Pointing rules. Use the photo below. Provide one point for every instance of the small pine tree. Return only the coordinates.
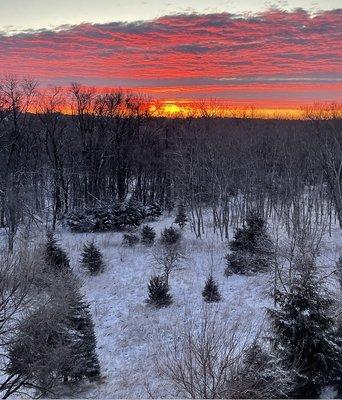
(210, 292)
(304, 331)
(251, 248)
(148, 235)
(92, 259)
(181, 218)
(130, 240)
(158, 292)
(83, 340)
(170, 236)
(55, 257)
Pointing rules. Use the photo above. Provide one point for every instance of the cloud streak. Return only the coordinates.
(295, 54)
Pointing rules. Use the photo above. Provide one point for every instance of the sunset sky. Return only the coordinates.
(278, 54)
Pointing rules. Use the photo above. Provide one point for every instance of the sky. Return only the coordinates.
(280, 54)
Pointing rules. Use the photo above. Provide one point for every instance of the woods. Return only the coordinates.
(129, 205)
(109, 145)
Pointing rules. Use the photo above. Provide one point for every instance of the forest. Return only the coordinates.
(145, 256)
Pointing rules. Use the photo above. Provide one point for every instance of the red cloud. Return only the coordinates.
(275, 55)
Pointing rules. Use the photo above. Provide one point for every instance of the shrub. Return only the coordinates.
(92, 259)
(148, 235)
(210, 292)
(130, 240)
(158, 292)
(170, 236)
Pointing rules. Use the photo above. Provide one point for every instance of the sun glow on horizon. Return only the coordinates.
(61, 100)
(202, 108)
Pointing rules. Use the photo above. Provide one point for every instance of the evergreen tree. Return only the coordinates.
(130, 240)
(338, 335)
(304, 331)
(181, 218)
(261, 375)
(81, 328)
(251, 248)
(55, 257)
(56, 341)
(170, 236)
(92, 259)
(210, 292)
(158, 292)
(148, 235)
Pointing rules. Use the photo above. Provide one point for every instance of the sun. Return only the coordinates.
(171, 109)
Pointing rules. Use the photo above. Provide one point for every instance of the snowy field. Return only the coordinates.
(128, 330)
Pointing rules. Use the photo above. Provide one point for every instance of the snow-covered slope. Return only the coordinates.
(128, 329)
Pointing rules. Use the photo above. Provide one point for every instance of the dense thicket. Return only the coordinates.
(110, 146)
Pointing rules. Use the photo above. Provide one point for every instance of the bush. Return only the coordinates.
(130, 240)
(158, 292)
(92, 259)
(210, 292)
(148, 235)
(251, 248)
(170, 236)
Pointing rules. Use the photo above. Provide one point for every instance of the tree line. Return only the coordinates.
(62, 150)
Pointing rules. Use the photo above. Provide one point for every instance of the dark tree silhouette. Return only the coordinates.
(158, 292)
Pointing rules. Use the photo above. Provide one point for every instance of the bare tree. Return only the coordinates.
(203, 357)
(168, 258)
(209, 358)
(16, 280)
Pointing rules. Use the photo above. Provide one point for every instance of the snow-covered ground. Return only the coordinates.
(128, 329)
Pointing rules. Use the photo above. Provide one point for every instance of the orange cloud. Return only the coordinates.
(271, 58)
